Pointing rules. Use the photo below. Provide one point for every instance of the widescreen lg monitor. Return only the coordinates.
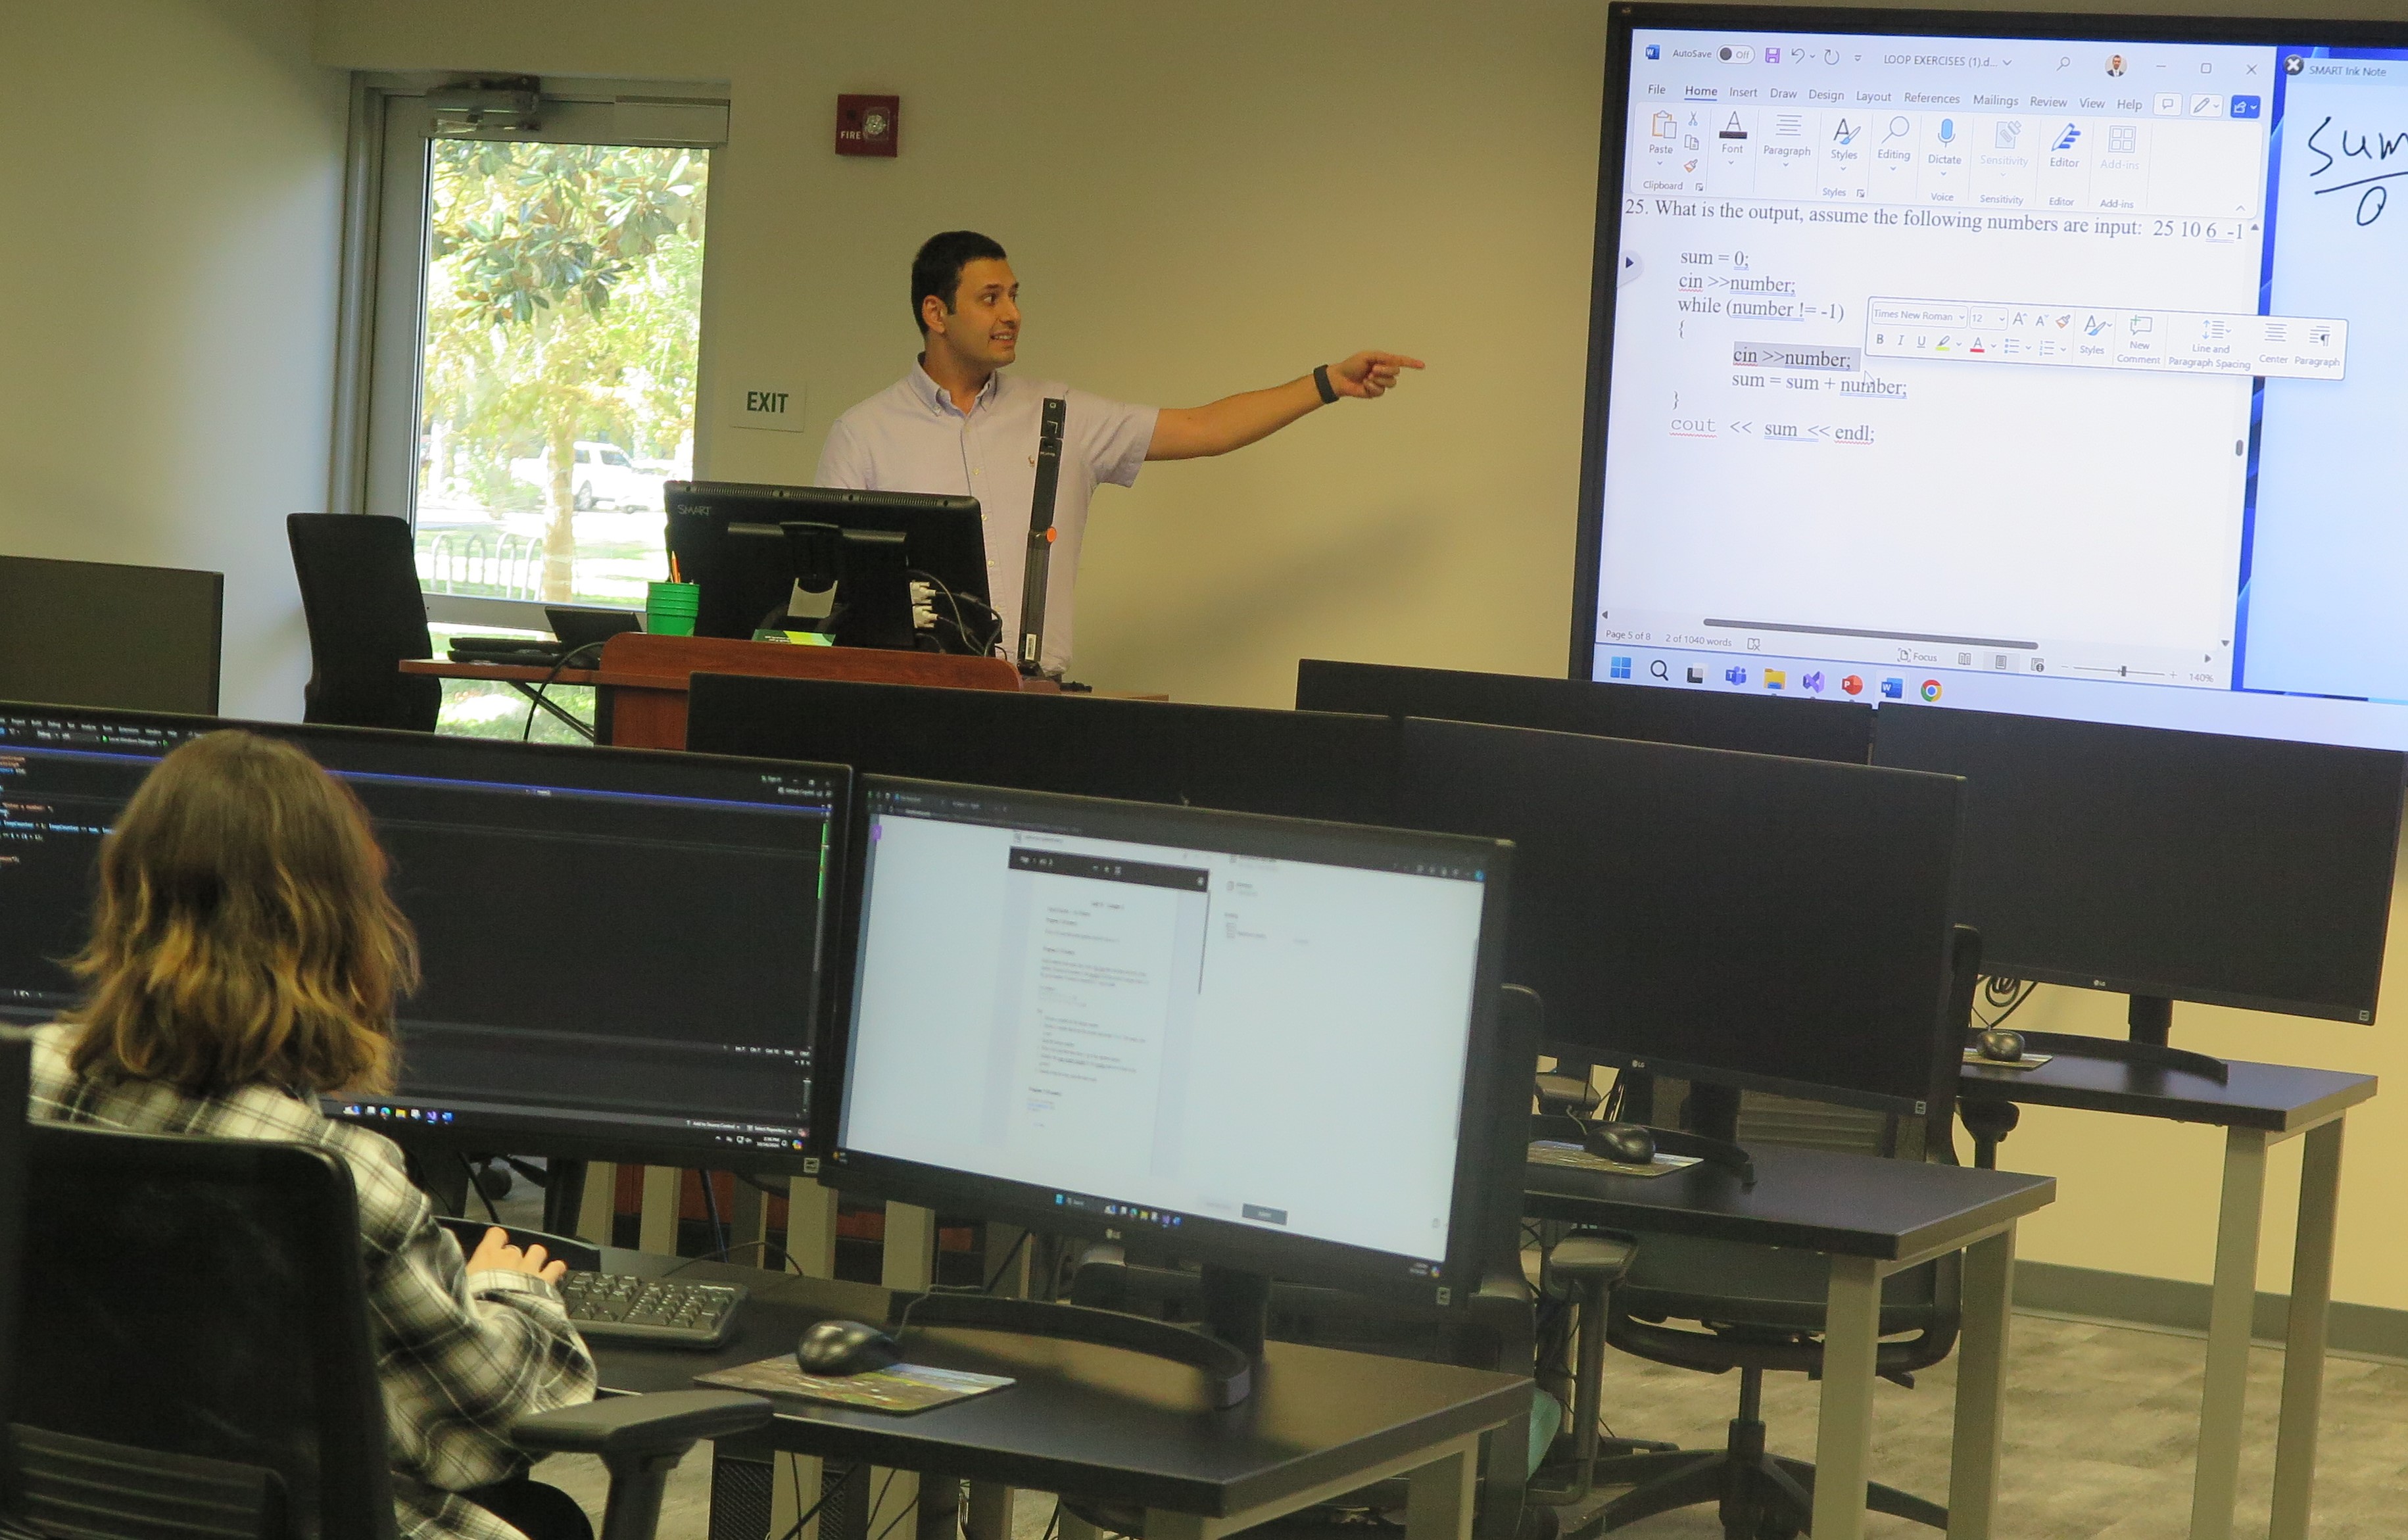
(1262, 1045)
(620, 949)
(104, 634)
(2168, 865)
(1773, 924)
(2044, 364)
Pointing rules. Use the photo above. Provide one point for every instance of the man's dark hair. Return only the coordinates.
(937, 270)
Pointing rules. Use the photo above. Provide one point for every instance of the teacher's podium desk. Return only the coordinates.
(642, 680)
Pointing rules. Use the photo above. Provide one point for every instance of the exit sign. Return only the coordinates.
(773, 404)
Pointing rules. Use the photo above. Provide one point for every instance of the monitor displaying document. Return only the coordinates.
(1260, 1041)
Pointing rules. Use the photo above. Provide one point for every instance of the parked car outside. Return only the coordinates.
(604, 476)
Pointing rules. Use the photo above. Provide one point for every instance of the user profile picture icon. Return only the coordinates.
(2114, 64)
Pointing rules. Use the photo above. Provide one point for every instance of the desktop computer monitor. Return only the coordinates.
(726, 539)
(1287, 764)
(2187, 866)
(620, 949)
(1263, 1044)
(91, 633)
(2042, 364)
(1774, 923)
(1751, 723)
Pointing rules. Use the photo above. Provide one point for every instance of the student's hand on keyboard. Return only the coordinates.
(495, 1254)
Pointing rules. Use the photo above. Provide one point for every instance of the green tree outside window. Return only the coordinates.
(563, 306)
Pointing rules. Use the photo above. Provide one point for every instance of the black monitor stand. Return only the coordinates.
(1713, 1111)
(1235, 1305)
(855, 583)
(2150, 1019)
(1709, 1130)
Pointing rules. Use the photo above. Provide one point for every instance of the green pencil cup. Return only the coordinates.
(669, 609)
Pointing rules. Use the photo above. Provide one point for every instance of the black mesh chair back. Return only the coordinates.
(360, 597)
(194, 1351)
(1760, 1308)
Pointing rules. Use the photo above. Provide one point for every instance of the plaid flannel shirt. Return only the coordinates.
(461, 1357)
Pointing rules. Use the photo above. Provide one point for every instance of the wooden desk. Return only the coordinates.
(1871, 1217)
(1116, 1427)
(642, 680)
(2256, 1105)
(528, 680)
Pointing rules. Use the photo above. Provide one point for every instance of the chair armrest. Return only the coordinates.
(665, 1421)
(580, 1256)
(1583, 1258)
(1100, 1278)
(1503, 1307)
(1501, 1290)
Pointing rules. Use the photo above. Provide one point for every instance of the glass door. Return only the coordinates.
(538, 304)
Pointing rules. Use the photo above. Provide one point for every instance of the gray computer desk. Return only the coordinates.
(1871, 1217)
(2257, 1107)
(1115, 1427)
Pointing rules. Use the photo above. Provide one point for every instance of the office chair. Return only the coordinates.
(1585, 1266)
(1760, 1308)
(360, 598)
(195, 1359)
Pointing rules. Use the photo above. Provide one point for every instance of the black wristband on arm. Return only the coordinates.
(1321, 383)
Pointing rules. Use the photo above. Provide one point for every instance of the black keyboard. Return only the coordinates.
(526, 652)
(622, 1307)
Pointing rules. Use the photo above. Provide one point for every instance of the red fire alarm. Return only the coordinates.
(869, 126)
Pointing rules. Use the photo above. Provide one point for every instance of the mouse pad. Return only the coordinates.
(2029, 1061)
(1557, 1152)
(901, 1390)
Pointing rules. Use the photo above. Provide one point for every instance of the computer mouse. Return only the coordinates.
(845, 1347)
(1629, 1143)
(2002, 1045)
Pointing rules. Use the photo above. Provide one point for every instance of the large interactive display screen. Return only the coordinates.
(2003, 362)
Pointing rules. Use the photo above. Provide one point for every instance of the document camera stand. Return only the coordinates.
(1041, 539)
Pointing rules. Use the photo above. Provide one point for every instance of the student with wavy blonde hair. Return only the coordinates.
(245, 957)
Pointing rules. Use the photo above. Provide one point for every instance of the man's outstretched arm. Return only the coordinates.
(1187, 433)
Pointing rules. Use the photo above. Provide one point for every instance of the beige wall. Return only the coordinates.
(1209, 197)
(1199, 200)
(173, 178)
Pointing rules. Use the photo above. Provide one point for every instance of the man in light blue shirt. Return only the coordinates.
(958, 423)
